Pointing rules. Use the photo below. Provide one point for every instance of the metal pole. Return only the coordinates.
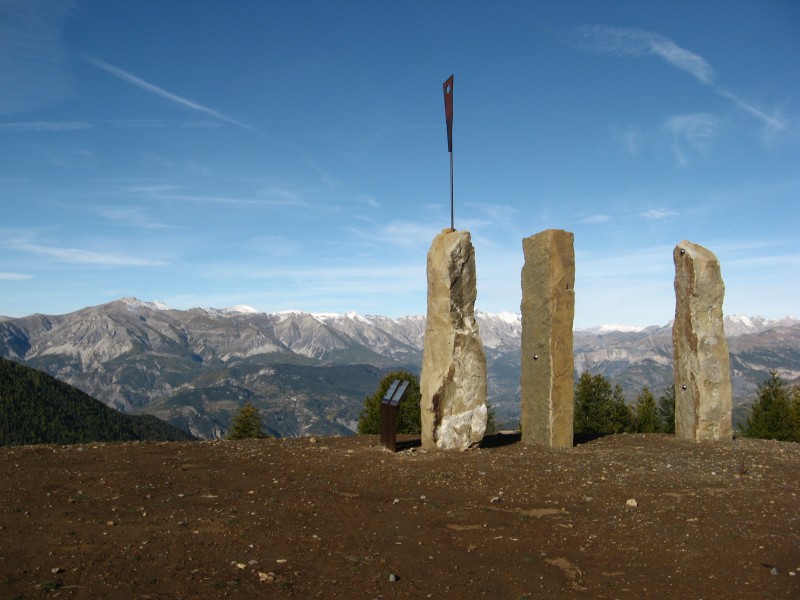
(452, 219)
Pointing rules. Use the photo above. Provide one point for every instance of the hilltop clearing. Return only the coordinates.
(625, 516)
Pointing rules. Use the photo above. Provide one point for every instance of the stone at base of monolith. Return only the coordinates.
(453, 381)
(548, 310)
(703, 402)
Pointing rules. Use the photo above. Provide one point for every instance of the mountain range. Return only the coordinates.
(309, 373)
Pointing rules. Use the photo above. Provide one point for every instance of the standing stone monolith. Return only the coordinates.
(703, 401)
(548, 310)
(453, 381)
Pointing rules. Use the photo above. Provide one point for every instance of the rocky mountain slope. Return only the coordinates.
(310, 373)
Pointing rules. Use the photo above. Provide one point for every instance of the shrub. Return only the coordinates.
(408, 417)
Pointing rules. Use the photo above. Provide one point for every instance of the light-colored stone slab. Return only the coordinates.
(453, 381)
(548, 310)
(703, 400)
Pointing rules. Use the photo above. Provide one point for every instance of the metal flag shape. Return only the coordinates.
(448, 110)
(448, 115)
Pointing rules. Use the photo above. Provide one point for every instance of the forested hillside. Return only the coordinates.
(36, 408)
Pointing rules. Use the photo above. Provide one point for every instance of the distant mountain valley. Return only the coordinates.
(309, 373)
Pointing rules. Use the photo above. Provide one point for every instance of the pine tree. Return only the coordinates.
(796, 404)
(590, 405)
(646, 419)
(621, 414)
(595, 404)
(408, 416)
(666, 410)
(775, 414)
(246, 424)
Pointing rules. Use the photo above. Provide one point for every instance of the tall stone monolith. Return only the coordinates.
(703, 402)
(548, 309)
(453, 381)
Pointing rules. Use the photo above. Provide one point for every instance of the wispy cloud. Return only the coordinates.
(34, 60)
(696, 130)
(274, 200)
(639, 43)
(773, 124)
(274, 245)
(285, 196)
(497, 214)
(14, 276)
(66, 126)
(200, 124)
(657, 214)
(129, 216)
(71, 156)
(323, 287)
(400, 233)
(158, 91)
(269, 196)
(213, 199)
(642, 262)
(45, 126)
(146, 189)
(738, 246)
(85, 257)
(158, 123)
(324, 177)
(780, 260)
(369, 200)
(595, 219)
(635, 42)
(631, 139)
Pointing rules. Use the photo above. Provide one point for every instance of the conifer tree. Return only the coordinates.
(599, 408)
(666, 409)
(621, 414)
(491, 420)
(246, 424)
(775, 415)
(646, 419)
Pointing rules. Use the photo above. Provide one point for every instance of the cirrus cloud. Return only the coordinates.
(695, 130)
(14, 276)
(636, 42)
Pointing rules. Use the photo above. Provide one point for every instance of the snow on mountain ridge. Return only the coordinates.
(734, 324)
(134, 304)
(241, 309)
(614, 327)
(503, 316)
(741, 324)
(231, 311)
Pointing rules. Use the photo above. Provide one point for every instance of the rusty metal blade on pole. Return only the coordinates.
(447, 87)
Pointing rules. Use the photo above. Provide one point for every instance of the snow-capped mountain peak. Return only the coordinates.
(741, 324)
(241, 309)
(135, 305)
(615, 327)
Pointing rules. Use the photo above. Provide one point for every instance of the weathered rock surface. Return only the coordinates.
(703, 399)
(548, 310)
(453, 380)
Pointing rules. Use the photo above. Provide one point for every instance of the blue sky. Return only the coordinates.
(293, 155)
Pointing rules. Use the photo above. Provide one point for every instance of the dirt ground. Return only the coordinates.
(344, 518)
